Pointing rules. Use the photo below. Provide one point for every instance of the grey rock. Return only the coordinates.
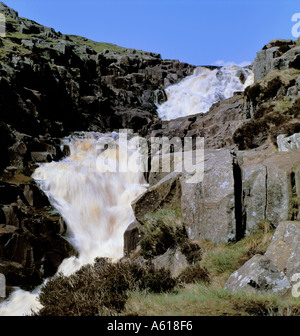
(288, 143)
(132, 237)
(258, 274)
(8, 11)
(166, 190)
(208, 207)
(173, 260)
(284, 248)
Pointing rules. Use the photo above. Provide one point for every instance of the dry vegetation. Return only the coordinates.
(130, 288)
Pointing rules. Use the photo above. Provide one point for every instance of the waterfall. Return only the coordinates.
(95, 205)
(198, 92)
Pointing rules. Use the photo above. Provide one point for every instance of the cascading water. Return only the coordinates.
(96, 205)
(198, 92)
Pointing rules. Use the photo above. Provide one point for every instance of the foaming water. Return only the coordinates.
(95, 205)
(198, 92)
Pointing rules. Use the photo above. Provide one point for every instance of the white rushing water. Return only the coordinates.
(96, 206)
(198, 92)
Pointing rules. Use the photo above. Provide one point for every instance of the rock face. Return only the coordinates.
(217, 126)
(276, 55)
(53, 83)
(239, 190)
(208, 207)
(50, 85)
(31, 242)
(268, 186)
(132, 236)
(271, 104)
(290, 143)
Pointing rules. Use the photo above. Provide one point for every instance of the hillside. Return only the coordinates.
(224, 245)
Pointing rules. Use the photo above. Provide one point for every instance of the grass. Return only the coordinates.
(99, 47)
(202, 300)
(285, 76)
(273, 110)
(209, 298)
(222, 260)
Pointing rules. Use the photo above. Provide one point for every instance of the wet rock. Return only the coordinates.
(32, 252)
(9, 193)
(34, 195)
(132, 236)
(12, 216)
(41, 157)
(217, 126)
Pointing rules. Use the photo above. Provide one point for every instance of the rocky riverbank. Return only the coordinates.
(53, 84)
(251, 174)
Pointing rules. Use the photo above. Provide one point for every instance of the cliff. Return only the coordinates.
(53, 84)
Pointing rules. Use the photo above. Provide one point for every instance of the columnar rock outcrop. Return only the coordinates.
(239, 190)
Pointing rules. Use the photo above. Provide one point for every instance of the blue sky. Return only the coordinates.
(199, 32)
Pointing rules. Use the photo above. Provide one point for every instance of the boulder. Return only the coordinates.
(288, 143)
(259, 274)
(173, 260)
(284, 248)
(165, 191)
(41, 157)
(274, 271)
(132, 236)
